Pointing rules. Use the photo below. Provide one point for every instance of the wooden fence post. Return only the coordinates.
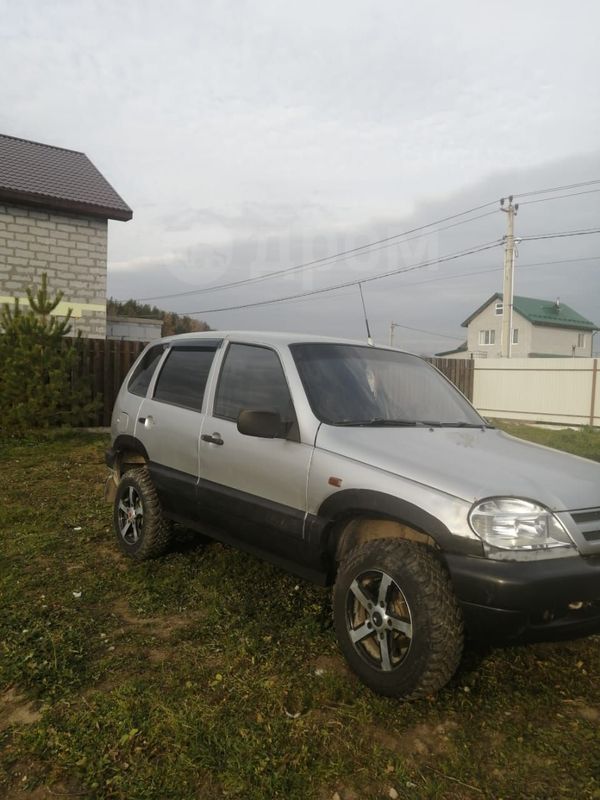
(594, 383)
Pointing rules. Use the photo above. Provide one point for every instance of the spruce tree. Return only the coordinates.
(39, 385)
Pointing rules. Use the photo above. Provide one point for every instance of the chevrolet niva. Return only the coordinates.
(365, 468)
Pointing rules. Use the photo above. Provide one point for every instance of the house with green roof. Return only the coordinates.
(540, 328)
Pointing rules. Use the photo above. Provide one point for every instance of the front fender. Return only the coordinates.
(350, 503)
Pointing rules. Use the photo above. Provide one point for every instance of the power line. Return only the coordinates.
(430, 333)
(334, 257)
(558, 197)
(369, 279)
(559, 234)
(380, 276)
(389, 241)
(531, 265)
(559, 188)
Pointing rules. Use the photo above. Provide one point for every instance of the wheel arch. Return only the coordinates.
(355, 516)
(126, 453)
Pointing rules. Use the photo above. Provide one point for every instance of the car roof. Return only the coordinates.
(267, 337)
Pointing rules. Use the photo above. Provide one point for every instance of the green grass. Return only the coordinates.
(580, 441)
(210, 674)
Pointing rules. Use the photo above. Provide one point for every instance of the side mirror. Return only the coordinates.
(265, 424)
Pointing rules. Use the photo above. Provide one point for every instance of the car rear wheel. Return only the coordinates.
(141, 530)
(397, 619)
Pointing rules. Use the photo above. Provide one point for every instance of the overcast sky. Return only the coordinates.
(253, 136)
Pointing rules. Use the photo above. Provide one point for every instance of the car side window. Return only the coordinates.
(252, 379)
(140, 380)
(183, 377)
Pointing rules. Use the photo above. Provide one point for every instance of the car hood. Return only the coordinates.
(471, 463)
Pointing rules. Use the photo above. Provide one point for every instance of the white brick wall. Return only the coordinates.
(70, 248)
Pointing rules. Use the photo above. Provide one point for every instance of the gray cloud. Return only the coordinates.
(254, 135)
(436, 298)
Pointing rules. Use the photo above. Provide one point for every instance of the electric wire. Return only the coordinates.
(558, 188)
(430, 333)
(343, 255)
(558, 234)
(372, 247)
(519, 266)
(368, 279)
(557, 197)
(269, 275)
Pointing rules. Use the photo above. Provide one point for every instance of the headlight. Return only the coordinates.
(511, 524)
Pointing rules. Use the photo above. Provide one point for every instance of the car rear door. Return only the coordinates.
(170, 420)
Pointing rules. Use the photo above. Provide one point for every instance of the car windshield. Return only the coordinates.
(356, 385)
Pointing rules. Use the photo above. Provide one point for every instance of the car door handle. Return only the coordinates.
(214, 439)
(147, 422)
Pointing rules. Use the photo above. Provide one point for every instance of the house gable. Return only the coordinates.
(36, 174)
(54, 212)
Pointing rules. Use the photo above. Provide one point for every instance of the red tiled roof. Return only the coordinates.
(52, 177)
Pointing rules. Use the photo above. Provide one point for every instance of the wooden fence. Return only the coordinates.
(106, 362)
(458, 370)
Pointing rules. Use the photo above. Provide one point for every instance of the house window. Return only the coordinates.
(581, 340)
(515, 336)
(499, 309)
(487, 337)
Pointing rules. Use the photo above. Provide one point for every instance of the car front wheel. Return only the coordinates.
(397, 619)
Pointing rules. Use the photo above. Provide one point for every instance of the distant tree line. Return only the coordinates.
(171, 322)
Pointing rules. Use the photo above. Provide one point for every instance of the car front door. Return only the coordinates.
(254, 488)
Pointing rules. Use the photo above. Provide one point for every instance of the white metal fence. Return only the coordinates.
(553, 390)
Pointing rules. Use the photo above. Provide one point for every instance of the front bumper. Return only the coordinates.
(528, 600)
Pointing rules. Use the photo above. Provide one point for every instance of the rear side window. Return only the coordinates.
(140, 380)
(182, 379)
(252, 379)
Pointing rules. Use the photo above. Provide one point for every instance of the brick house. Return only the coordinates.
(542, 328)
(54, 212)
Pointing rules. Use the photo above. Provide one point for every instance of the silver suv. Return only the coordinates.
(361, 467)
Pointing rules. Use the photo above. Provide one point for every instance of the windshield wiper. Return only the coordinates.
(380, 422)
(456, 424)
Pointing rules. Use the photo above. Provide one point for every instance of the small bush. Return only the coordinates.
(39, 386)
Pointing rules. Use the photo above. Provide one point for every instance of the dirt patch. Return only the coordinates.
(577, 708)
(110, 553)
(16, 710)
(339, 793)
(19, 790)
(334, 665)
(589, 713)
(157, 656)
(161, 627)
(419, 741)
(19, 793)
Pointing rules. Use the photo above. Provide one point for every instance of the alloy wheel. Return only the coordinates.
(131, 516)
(378, 619)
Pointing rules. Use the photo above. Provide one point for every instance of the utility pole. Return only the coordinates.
(393, 326)
(509, 272)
